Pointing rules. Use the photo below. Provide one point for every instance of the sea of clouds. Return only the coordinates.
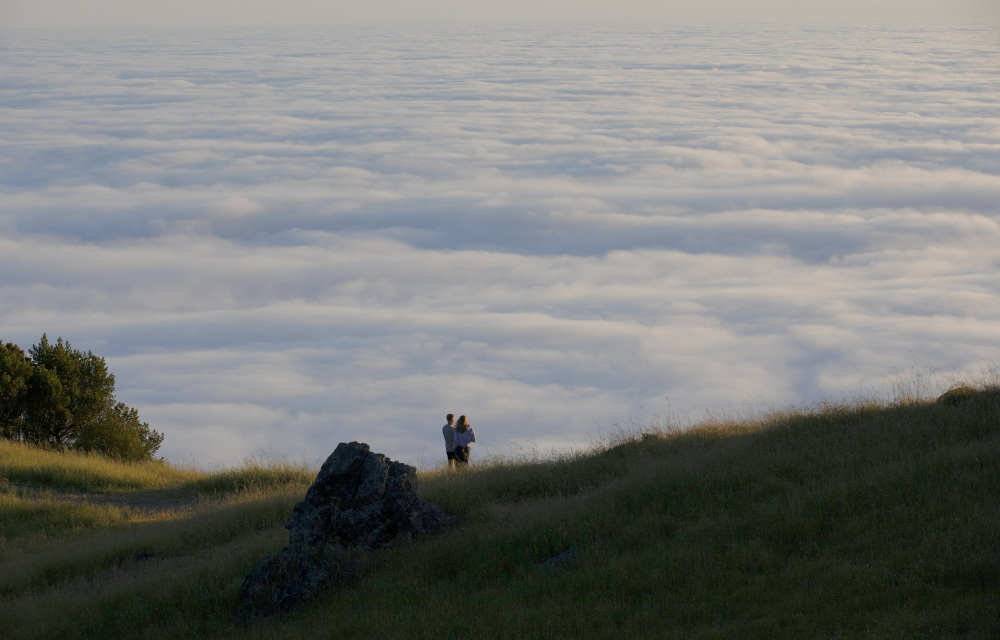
(285, 238)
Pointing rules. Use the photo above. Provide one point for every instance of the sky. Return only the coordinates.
(283, 238)
(155, 13)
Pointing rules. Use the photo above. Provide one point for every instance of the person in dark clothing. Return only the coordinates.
(449, 439)
(464, 437)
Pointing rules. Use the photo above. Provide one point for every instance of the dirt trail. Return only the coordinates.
(142, 501)
(137, 500)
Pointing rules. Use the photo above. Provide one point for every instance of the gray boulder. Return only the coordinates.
(360, 501)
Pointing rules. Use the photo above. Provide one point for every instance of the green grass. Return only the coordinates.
(865, 518)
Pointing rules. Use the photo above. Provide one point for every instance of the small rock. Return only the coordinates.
(559, 560)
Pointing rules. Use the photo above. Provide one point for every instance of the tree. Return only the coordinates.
(81, 392)
(47, 417)
(64, 397)
(119, 433)
(15, 371)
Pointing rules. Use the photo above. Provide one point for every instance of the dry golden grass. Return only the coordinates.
(74, 471)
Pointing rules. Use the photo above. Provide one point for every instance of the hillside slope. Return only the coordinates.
(841, 521)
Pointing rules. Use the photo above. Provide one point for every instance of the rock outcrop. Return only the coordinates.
(965, 395)
(360, 501)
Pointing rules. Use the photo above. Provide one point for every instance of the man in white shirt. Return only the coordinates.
(449, 440)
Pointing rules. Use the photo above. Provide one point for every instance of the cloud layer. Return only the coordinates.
(149, 13)
(283, 239)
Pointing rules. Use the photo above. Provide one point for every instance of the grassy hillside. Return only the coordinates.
(856, 520)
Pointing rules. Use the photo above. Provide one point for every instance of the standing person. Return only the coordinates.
(449, 439)
(464, 436)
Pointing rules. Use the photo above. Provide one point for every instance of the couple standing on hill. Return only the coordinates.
(457, 438)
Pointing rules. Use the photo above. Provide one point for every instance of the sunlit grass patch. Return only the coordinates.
(76, 471)
(255, 472)
(70, 471)
(41, 517)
